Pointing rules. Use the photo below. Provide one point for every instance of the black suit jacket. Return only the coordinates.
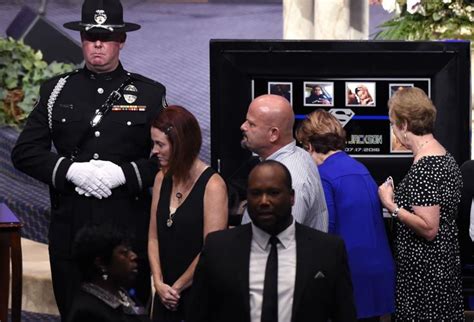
(220, 289)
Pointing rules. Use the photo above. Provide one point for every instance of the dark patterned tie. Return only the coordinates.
(270, 285)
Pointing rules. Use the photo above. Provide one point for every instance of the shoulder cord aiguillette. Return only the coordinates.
(52, 99)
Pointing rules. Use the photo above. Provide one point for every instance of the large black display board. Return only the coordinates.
(243, 69)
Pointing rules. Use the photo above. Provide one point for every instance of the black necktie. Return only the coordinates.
(270, 285)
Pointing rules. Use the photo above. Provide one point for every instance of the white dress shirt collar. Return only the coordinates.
(262, 238)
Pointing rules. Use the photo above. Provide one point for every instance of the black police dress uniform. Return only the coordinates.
(123, 137)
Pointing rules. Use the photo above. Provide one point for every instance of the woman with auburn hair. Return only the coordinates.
(425, 205)
(189, 201)
(355, 214)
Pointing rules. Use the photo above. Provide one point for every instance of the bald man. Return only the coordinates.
(268, 132)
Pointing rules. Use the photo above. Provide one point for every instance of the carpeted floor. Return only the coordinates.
(36, 317)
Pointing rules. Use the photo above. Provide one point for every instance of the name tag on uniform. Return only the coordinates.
(68, 106)
(129, 108)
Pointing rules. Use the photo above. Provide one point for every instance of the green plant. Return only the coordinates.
(428, 19)
(22, 70)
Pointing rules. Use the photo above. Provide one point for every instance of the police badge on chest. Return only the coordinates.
(130, 95)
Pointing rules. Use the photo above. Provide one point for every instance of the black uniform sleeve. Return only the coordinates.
(140, 174)
(32, 152)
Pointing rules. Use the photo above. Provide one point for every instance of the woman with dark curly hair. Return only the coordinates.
(108, 267)
(355, 214)
(425, 205)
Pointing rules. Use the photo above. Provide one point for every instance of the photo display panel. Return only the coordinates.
(360, 104)
(352, 79)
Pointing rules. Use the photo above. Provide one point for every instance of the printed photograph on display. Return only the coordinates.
(318, 93)
(392, 88)
(395, 145)
(284, 89)
(360, 94)
(360, 104)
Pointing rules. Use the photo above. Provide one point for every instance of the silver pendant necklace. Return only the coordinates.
(169, 221)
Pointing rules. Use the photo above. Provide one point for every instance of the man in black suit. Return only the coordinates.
(272, 269)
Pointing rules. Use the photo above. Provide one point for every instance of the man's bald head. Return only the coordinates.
(278, 112)
(269, 125)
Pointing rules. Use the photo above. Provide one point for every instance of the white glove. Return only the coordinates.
(90, 179)
(82, 192)
(112, 172)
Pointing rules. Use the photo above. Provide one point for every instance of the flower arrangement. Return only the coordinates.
(22, 70)
(428, 19)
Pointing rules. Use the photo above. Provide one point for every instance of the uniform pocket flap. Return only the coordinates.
(65, 115)
(128, 118)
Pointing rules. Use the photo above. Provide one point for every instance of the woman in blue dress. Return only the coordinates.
(355, 214)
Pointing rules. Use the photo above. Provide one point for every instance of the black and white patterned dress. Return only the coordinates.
(429, 272)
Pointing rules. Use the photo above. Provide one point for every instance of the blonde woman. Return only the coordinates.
(425, 205)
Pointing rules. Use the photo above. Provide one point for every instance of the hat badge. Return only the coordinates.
(100, 17)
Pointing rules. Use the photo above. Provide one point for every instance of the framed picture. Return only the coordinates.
(284, 89)
(360, 93)
(392, 88)
(318, 93)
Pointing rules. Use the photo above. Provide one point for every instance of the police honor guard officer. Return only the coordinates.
(98, 119)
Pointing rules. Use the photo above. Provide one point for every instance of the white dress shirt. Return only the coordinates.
(310, 204)
(259, 251)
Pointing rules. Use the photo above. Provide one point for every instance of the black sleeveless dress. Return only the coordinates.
(180, 243)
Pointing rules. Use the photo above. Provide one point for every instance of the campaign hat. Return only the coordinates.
(102, 16)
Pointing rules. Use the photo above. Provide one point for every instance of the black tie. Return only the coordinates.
(270, 285)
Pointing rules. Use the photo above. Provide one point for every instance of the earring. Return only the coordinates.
(105, 276)
(405, 136)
